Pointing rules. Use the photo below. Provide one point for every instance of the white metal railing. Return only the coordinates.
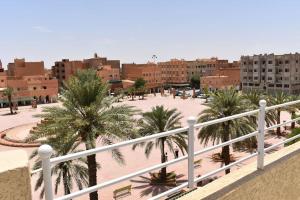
(45, 152)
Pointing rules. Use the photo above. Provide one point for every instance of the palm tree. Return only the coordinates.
(87, 114)
(160, 120)
(68, 172)
(253, 97)
(279, 98)
(225, 103)
(293, 109)
(8, 92)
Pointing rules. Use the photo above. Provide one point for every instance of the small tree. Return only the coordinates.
(139, 83)
(195, 82)
(207, 94)
(8, 92)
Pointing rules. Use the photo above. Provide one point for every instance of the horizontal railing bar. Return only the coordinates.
(224, 168)
(226, 143)
(282, 142)
(114, 146)
(282, 105)
(171, 191)
(36, 171)
(283, 123)
(120, 179)
(224, 119)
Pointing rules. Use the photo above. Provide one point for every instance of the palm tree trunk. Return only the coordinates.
(92, 170)
(226, 157)
(225, 150)
(163, 174)
(66, 184)
(10, 105)
(293, 117)
(278, 132)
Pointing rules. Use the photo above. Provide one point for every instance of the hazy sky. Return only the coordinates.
(134, 30)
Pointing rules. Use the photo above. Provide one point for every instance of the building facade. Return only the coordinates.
(108, 70)
(208, 67)
(29, 80)
(150, 72)
(174, 72)
(271, 73)
(222, 78)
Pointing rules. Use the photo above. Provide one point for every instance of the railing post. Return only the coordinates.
(191, 122)
(45, 152)
(261, 134)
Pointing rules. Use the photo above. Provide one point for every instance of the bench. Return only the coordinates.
(123, 191)
(197, 163)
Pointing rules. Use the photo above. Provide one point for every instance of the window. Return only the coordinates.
(296, 61)
(44, 87)
(245, 63)
(263, 78)
(2, 81)
(63, 77)
(255, 62)
(263, 69)
(34, 88)
(279, 70)
(286, 62)
(269, 78)
(255, 70)
(271, 85)
(286, 85)
(270, 62)
(255, 78)
(263, 62)
(286, 70)
(270, 70)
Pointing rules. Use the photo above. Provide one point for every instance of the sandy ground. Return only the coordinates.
(135, 160)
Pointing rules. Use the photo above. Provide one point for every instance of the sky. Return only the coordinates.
(134, 30)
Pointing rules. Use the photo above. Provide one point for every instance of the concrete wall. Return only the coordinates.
(14, 176)
(279, 180)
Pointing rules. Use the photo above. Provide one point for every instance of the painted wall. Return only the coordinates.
(14, 176)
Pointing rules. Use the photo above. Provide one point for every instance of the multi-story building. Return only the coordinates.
(271, 73)
(207, 67)
(108, 70)
(150, 72)
(222, 78)
(174, 72)
(29, 80)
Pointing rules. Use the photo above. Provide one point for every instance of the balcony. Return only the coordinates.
(268, 175)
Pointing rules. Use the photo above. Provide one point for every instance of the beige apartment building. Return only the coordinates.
(271, 73)
(207, 67)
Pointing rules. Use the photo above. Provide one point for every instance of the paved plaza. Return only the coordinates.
(135, 160)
